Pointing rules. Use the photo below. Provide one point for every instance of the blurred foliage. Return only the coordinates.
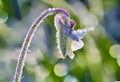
(97, 61)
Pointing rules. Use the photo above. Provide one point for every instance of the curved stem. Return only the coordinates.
(28, 38)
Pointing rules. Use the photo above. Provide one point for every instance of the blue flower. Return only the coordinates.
(68, 40)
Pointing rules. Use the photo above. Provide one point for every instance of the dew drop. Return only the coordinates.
(3, 16)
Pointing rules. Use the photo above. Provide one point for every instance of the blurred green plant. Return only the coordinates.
(98, 61)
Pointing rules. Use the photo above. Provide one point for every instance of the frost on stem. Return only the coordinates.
(68, 40)
(28, 38)
(66, 37)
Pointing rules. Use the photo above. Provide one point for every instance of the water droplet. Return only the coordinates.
(114, 51)
(61, 69)
(3, 16)
(70, 78)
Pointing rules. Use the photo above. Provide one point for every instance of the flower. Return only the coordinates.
(68, 40)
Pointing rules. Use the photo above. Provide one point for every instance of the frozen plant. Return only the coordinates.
(68, 39)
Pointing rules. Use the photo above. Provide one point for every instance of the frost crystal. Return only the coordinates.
(68, 40)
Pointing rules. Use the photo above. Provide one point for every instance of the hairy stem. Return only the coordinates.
(28, 38)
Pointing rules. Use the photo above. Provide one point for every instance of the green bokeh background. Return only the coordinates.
(92, 63)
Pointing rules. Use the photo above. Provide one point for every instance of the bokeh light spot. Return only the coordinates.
(70, 78)
(61, 69)
(90, 20)
(118, 60)
(115, 51)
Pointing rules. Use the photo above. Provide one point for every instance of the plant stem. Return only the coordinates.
(28, 38)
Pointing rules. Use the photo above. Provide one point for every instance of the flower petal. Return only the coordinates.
(74, 36)
(71, 55)
(82, 32)
(77, 45)
(61, 24)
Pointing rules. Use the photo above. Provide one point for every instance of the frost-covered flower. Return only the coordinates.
(68, 39)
